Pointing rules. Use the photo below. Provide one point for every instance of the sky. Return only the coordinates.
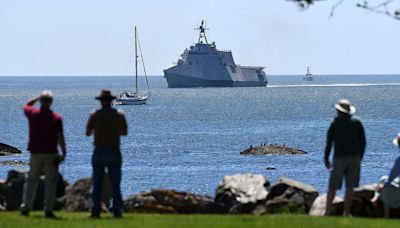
(95, 37)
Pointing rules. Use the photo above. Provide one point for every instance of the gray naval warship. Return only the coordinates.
(203, 65)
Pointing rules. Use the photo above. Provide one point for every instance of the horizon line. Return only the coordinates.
(344, 74)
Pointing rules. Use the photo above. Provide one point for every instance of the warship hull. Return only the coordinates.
(203, 65)
(181, 81)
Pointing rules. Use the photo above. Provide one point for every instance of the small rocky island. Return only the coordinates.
(8, 150)
(272, 150)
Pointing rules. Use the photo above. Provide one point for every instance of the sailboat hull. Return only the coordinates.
(131, 101)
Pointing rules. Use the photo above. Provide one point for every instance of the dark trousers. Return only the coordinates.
(110, 159)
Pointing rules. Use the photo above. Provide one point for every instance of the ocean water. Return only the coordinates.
(188, 139)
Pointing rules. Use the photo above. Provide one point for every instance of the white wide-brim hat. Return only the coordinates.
(345, 106)
(396, 141)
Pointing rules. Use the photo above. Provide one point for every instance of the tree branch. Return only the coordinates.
(335, 6)
(381, 8)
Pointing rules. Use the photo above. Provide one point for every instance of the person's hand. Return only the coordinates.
(62, 158)
(379, 187)
(328, 164)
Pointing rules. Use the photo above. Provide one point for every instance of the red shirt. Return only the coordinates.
(44, 125)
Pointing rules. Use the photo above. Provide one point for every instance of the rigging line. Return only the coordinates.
(144, 68)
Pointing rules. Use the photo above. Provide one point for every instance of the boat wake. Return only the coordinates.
(336, 85)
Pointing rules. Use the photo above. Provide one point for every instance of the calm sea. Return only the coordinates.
(188, 139)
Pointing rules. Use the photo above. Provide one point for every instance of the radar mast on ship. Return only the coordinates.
(202, 28)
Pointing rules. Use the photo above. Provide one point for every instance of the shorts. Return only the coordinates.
(349, 167)
(390, 195)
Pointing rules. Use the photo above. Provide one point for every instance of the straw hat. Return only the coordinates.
(105, 94)
(396, 141)
(345, 106)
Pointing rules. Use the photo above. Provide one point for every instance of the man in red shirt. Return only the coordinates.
(45, 134)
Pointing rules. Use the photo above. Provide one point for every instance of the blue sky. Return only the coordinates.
(95, 37)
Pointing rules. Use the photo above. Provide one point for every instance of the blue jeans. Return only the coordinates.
(110, 159)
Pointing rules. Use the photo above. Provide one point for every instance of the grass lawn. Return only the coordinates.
(72, 220)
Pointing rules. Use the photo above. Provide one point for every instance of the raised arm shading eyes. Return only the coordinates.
(32, 101)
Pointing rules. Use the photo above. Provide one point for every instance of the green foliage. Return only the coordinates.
(287, 208)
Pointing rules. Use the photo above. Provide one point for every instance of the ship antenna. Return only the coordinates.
(202, 28)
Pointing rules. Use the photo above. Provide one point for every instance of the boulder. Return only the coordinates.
(14, 163)
(14, 189)
(272, 150)
(241, 193)
(319, 206)
(288, 195)
(3, 203)
(362, 205)
(2, 187)
(170, 201)
(8, 150)
(78, 195)
(147, 203)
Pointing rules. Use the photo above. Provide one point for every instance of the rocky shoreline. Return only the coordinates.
(235, 194)
(272, 150)
(8, 150)
(13, 163)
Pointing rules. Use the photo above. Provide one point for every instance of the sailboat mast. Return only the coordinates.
(136, 58)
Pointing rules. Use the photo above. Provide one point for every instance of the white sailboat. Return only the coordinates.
(308, 76)
(135, 98)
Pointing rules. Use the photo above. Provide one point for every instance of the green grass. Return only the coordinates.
(72, 220)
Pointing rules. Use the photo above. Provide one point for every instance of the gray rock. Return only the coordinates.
(288, 195)
(8, 150)
(78, 195)
(241, 193)
(13, 163)
(3, 203)
(2, 187)
(296, 191)
(272, 150)
(362, 205)
(319, 206)
(366, 192)
(170, 201)
(14, 189)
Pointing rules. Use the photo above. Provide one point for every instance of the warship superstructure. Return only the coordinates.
(203, 65)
